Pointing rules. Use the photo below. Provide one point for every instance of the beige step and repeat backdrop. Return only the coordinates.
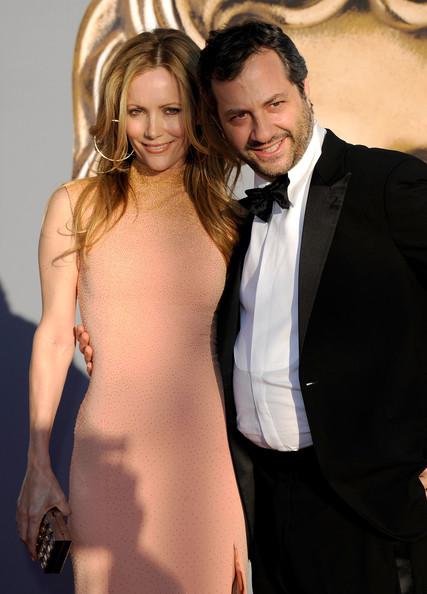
(368, 68)
(367, 59)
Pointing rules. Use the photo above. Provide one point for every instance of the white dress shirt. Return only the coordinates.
(270, 408)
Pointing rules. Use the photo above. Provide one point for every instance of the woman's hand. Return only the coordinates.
(40, 492)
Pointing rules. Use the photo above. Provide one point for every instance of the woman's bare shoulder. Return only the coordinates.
(74, 188)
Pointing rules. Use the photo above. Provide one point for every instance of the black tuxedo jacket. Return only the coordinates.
(362, 334)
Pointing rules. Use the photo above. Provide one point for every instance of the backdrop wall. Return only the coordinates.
(36, 51)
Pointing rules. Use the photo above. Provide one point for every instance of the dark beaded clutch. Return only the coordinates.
(53, 541)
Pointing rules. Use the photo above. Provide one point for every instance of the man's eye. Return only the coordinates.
(276, 103)
(238, 116)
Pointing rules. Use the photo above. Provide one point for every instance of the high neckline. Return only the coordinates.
(141, 175)
(154, 190)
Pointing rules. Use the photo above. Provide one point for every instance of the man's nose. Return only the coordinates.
(263, 130)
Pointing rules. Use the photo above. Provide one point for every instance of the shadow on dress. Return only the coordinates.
(18, 574)
(112, 543)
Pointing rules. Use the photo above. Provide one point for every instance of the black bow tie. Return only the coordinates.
(259, 201)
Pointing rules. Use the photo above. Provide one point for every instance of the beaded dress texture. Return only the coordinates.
(155, 505)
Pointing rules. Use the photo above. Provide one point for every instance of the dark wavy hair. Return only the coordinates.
(227, 50)
(224, 57)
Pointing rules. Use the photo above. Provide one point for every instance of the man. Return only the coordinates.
(321, 330)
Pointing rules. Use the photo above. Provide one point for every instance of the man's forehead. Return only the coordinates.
(239, 96)
(262, 70)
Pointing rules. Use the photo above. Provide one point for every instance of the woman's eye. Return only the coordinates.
(172, 110)
(134, 112)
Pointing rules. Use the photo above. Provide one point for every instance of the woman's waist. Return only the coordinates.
(125, 321)
(143, 349)
(168, 403)
(136, 299)
(135, 364)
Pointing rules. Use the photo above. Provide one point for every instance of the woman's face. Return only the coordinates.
(155, 120)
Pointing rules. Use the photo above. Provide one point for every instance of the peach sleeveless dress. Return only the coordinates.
(155, 505)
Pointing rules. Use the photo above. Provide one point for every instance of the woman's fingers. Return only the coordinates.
(28, 524)
(22, 524)
(64, 507)
(34, 522)
(40, 492)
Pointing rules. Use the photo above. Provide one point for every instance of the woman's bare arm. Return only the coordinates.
(53, 348)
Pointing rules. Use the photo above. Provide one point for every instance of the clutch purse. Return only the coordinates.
(53, 541)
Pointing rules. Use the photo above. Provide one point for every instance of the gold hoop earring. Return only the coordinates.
(98, 150)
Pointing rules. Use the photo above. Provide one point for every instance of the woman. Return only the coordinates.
(144, 245)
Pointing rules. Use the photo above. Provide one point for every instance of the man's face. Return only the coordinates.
(263, 115)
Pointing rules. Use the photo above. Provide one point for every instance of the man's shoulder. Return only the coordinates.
(372, 155)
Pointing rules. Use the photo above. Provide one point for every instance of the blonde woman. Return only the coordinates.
(144, 246)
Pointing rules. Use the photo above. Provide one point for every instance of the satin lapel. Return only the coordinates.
(324, 203)
(229, 307)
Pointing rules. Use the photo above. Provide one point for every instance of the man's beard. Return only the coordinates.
(300, 140)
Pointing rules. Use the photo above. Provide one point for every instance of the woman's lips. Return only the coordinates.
(157, 148)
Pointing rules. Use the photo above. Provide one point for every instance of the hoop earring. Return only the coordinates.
(98, 150)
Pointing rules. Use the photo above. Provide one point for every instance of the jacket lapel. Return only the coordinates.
(228, 321)
(324, 203)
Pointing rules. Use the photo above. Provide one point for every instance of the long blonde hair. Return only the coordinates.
(105, 197)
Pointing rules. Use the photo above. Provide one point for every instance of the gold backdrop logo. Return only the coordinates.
(367, 60)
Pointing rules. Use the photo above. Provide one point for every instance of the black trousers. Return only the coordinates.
(307, 541)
